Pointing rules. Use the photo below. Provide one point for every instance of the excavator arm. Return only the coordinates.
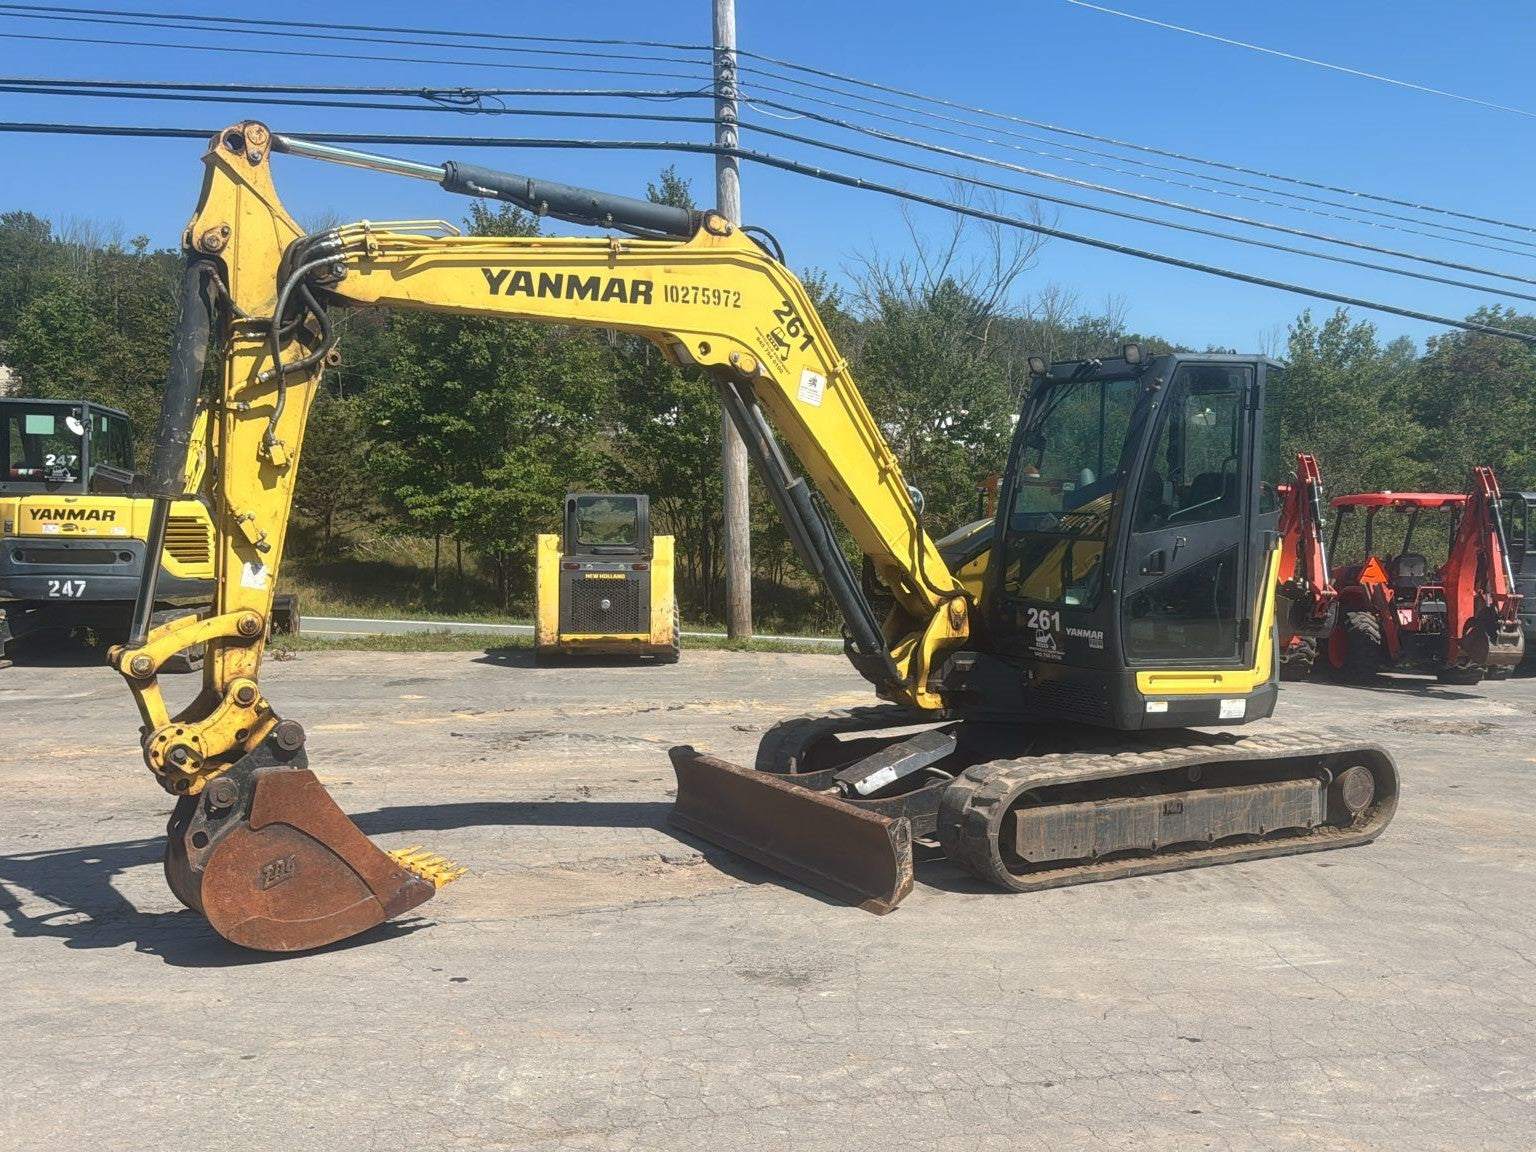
(255, 843)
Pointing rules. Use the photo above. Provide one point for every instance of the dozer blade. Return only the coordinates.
(812, 837)
(272, 862)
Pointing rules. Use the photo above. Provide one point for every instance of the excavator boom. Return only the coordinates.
(256, 844)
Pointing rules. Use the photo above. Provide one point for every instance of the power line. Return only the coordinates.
(468, 100)
(926, 170)
(1160, 202)
(232, 24)
(188, 18)
(1300, 197)
(437, 102)
(1302, 59)
(1142, 219)
(376, 59)
(1078, 134)
(179, 25)
(426, 92)
(827, 175)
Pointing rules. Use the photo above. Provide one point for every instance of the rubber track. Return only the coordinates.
(974, 807)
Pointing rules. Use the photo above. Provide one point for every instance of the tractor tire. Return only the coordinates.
(1362, 647)
(189, 660)
(1296, 662)
(672, 654)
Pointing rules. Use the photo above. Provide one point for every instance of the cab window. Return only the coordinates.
(111, 441)
(43, 444)
(1193, 476)
(607, 521)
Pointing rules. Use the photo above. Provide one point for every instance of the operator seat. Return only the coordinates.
(1208, 488)
(1409, 570)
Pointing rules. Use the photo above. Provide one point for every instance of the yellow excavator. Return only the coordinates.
(1043, 675)
(72, 524)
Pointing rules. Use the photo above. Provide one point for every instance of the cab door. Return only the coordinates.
(1189, 553)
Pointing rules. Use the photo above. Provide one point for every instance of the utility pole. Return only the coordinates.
(733, 453)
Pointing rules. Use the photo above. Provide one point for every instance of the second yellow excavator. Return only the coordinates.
(1044, 672)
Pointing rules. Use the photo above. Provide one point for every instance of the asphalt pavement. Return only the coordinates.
(598, 982)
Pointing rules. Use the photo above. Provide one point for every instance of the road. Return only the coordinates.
(598, 983)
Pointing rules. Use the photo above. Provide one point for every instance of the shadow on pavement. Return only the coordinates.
(25, 654)
(89, 912)
(507, 657)
(524, 658)
(1402, 686)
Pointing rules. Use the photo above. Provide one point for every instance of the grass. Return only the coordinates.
(390, 578)
(283, 647)
(398, 642)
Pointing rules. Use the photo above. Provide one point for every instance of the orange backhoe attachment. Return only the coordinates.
(1480, 583)
(1305, 584)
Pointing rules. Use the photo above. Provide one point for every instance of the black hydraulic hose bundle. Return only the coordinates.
(302, 254)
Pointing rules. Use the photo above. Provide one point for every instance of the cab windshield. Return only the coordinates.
(1070, 451)
(607, 521)
(59, 446)
(1063, 488)
(43, 445)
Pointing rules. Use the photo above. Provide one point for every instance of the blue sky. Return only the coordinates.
(1047, 60)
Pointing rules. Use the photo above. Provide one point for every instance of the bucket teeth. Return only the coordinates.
(428, 865)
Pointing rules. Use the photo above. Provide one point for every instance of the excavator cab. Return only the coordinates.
(1135, 530)
(73, 526)
(64, 447)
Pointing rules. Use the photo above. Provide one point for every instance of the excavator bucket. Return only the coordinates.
(267, 856)
(813, 837)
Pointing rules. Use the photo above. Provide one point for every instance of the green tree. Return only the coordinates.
(480, 425)
(1478, 393)
(333, 482)
(933, 379)
(1344, 399)
(27, 258)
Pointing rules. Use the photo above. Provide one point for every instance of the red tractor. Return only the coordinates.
(1398, 611)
